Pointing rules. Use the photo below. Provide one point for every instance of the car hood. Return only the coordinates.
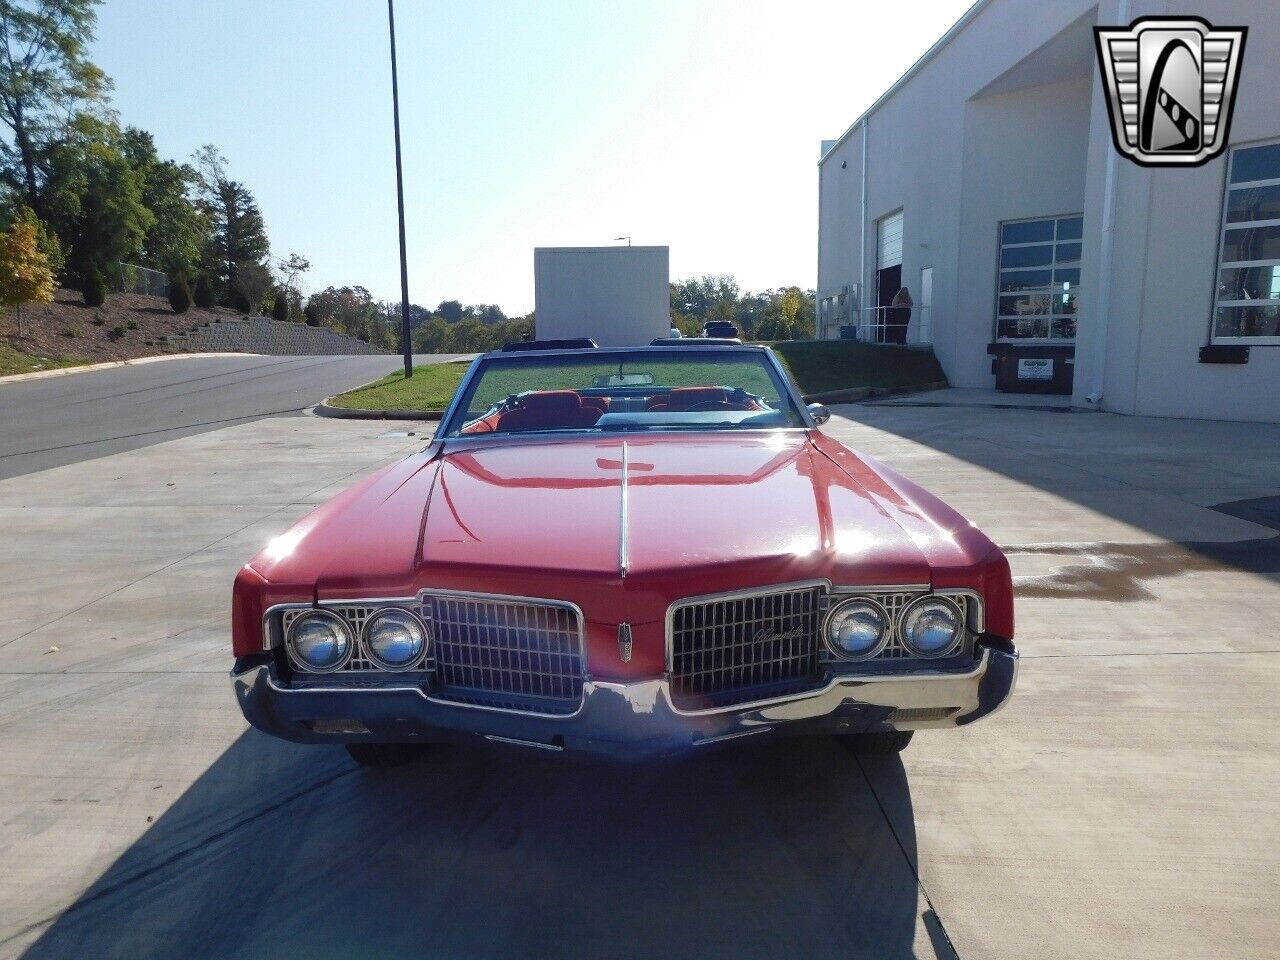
(623, 527)
(711, 510)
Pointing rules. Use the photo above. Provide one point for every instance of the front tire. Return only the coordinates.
(384, 754)
(877, 744)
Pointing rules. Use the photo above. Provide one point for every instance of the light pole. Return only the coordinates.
(404, 262)
(628, 239)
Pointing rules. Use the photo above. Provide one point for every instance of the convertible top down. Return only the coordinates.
(630, 552)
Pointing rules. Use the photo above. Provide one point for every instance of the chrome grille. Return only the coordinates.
(529, 654)
(510, 654)
(738, 648)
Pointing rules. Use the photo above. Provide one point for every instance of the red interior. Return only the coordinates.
(551, 409)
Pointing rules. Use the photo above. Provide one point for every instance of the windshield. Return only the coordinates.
(624, 391)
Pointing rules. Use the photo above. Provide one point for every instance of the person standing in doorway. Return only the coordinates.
(899, 315)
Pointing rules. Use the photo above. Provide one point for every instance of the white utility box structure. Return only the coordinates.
(617, 296)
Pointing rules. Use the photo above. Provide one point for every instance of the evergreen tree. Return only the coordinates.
(94, 288)
(204, 296)
(280, 310)
(179, 293)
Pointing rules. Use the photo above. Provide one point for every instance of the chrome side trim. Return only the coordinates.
(536, 744)
(624, 544)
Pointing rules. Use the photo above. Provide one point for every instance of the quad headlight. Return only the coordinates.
(395, 639)
(857, 628)
(932, 627)
(319, 641)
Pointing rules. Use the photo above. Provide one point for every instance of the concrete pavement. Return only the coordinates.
(1126, 802)
(48, 422)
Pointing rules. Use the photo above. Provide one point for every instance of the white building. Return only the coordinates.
(617, 296)
(986, 181)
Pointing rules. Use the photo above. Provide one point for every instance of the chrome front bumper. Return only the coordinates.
(627, 720)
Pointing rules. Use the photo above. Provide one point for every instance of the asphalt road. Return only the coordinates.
(65, 419)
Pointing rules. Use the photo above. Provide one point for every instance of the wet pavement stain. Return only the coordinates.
(1117, 572)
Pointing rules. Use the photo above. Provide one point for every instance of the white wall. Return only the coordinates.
(1024, 157)
(916, 150)
(1165, 250)
(617, 296)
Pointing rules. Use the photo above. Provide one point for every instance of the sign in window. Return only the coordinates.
(1039, 285)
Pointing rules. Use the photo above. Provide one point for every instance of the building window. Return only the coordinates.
(1039, 284)
(1246, 307)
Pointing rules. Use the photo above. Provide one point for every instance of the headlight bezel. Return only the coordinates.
(886, 630)
(366, 645)
(343, 629)
(957, 640)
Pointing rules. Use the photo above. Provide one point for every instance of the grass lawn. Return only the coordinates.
(816, 367)
(430, 388)
(13, 360)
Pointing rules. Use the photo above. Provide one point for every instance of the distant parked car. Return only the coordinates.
(720, 328)
(675, 333)
(631, 551)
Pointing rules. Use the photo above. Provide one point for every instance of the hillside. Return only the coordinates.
(126, 326)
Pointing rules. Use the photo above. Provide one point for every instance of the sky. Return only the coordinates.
(689, 123)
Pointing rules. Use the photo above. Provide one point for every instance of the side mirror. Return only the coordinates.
(819, 413)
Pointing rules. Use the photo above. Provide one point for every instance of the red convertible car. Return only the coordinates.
(632, 552)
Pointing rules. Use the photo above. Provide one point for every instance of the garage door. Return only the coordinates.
(890, 241)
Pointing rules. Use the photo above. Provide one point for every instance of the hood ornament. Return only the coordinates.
(624, 642)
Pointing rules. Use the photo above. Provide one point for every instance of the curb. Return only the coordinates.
(135, 361)
(323, 409)
(858, 394)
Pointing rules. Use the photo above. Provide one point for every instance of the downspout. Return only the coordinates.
(862, 243)
(1102, 317)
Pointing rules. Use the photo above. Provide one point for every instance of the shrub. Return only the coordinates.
(132, 324)
(203, 295)
(94, 290)
(98, 319)
(312, 314)
(179, 293)
(71, 332)
(280, 310)
(240, 303)
(115, 333)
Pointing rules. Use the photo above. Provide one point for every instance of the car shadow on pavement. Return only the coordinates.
(764, 850)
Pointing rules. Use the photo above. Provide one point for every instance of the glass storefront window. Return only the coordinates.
(1247, 299)
(1039, 281)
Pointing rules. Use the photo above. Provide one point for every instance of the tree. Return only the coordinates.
(45, 79)
(94, 288)
(25, 276)
(280, 309)
(204, 296)
(312, 314)
(252, 281)
(93, 195)
(450, 310)
(179, 293)
(180, 231)
(290, 271)
(238, 234)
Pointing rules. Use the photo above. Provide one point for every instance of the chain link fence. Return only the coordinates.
(132, 278)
